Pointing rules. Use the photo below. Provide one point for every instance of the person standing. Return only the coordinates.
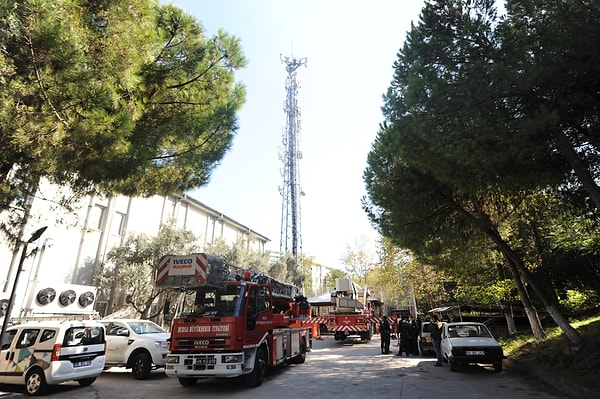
(403, 334)
(413, 336)
(436, 338)
(385, 330)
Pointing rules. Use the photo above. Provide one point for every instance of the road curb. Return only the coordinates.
(530, 368)
(10, 395)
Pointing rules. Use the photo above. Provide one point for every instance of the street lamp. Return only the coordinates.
(34, 237)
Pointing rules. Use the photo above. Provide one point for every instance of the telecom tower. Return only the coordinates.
(291, 237)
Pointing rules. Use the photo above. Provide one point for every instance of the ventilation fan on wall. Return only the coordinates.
(67, 297)
(46, 296)
(86, 299)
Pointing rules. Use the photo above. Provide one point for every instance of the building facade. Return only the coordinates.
(76, 242)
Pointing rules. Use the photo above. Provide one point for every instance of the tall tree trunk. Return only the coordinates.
(551, 308)
(530, 311)
(506, 306)
(515, 261)
(488, 228)
(580, 169)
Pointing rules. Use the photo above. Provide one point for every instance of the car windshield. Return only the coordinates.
(468, 330)
(146, 327)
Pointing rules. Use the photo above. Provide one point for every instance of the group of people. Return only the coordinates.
(407, 330)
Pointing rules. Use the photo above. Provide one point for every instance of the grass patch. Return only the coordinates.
(557, 354)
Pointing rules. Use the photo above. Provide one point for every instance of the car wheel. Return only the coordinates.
(84, 382)
(256, 377)
(498, 367)
(141, 366)
(35, 382)
(187, 382)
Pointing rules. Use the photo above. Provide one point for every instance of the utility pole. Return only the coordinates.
(291, 236)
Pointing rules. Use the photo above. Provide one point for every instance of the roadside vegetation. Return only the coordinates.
(484, 173)
(558, 356)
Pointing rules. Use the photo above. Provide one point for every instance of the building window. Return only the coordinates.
(117, 227)
(98, 217)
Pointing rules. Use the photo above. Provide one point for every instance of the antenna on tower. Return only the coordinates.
(291, 237)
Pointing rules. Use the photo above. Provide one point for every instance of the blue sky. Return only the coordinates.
(350, 48)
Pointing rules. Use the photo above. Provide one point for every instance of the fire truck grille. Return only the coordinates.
(184, 344)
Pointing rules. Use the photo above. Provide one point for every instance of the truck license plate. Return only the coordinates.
(206, 361)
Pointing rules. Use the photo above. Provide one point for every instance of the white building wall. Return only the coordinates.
(319, 274)
(76, 242)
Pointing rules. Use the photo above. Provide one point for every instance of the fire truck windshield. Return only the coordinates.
(211, 302)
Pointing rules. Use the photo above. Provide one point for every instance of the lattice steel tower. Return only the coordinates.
(291, 236)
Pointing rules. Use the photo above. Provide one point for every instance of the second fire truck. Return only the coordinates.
(231, 323)
(352, 315)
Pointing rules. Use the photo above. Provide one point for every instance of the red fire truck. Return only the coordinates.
(231, 323)
(350, 316)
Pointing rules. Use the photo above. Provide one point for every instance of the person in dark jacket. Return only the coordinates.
(436, 338)
(403, 333)
(413, 336)
(385, 330)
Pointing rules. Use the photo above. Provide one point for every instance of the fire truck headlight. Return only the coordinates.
(173, 359)
(231, 359)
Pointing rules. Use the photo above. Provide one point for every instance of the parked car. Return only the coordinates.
(470, 343)
(42, 353)
(140, 345)
(425, 343)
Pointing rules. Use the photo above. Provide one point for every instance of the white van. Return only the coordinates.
(42, 353)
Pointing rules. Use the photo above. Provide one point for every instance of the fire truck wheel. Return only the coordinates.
(187, 382)
(301, 358)
(255, 378)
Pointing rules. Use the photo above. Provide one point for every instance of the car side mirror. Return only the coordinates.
(123, 332)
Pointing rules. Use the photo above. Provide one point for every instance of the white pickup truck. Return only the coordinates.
(140, 345)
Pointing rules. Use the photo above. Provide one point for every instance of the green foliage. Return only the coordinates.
(574, 300)
(285, 268)
(359, 260)
(122, 96)
(332, 275)
(399, 275)
(131, 267)
(484, 147)
(240, 255)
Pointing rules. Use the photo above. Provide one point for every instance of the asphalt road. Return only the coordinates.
(333, 369)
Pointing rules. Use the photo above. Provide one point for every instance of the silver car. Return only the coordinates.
(470, 343)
